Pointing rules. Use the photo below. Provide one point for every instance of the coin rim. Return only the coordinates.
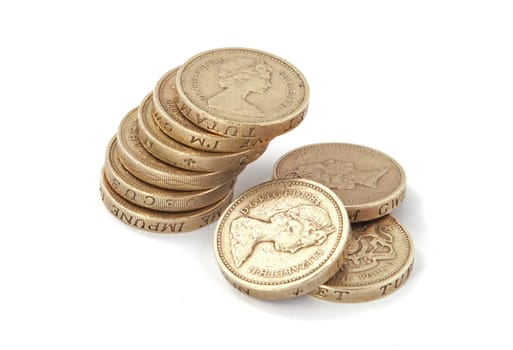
(362, 293)
(182, 133)
(191, 223)
(114, 169)
(401, 187)
(307, 282)
(168, 149)
(192, 180)
(261, 127)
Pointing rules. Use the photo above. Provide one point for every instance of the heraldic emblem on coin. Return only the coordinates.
(369, 245)
(289, 230)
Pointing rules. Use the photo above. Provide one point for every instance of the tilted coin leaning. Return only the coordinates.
(281, 239)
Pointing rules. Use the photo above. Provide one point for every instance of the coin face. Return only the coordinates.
(174, 153)
(172, 122)
(157, 221)
(143, 165)
(378, 259)
(370, 183)
(242, 93)
(146, 195)
(282, 238)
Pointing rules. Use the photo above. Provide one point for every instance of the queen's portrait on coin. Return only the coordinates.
(239, 77)
(289, 231)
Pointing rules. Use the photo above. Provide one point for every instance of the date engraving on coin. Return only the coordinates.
(289, 231)
(282, 238)
(378, 259)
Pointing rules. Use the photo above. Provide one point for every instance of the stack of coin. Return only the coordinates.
(173, 164)
(292, 236)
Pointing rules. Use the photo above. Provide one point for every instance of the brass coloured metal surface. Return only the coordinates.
(378, 259)
(370, 183)
(282, 238)
(242, 92)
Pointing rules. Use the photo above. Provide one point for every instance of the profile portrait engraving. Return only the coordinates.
(290, 230)
(338, 174)
(240, 77)
(368, 245)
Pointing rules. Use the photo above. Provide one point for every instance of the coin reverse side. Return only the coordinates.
(370, 183)
(281, 239)
(378, 259)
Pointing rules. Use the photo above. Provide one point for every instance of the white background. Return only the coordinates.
(430, 83)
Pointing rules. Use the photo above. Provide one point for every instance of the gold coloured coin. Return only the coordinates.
(147, 168)
(281, 239)
(145, 195)
(378, 259)
(174, 153)
(370, 183)
(157, 221)
(242, 92)
(172, 122)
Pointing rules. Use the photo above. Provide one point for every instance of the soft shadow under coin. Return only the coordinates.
(411, 215)
(310, 308)
(254, 174)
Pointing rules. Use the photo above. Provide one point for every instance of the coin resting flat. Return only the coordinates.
(152, 197)
(140, 163)
(282, 238)
(378, 259)
(242, 93)
(370, 183)
(157, 221)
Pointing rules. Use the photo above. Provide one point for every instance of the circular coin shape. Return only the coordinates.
(370, 183)
(378, 259)
(147, 168)
(242, 93)
(281, 239)
(174, 153)
(158, 221)
(172, 122)
(145, 195)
